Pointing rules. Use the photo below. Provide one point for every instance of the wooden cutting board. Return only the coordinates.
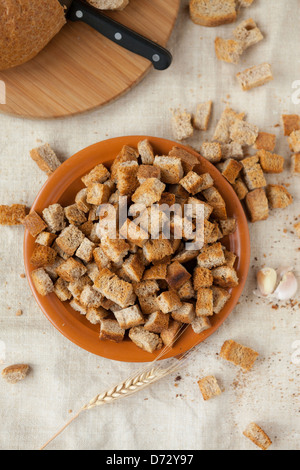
(81, 70)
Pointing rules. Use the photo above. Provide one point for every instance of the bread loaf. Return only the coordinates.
(26, 27)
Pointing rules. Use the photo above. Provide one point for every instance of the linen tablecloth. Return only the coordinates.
(171, 414)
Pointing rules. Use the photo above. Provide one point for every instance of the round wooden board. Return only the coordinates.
(81, 70)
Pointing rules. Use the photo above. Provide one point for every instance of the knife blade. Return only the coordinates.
(79, 10)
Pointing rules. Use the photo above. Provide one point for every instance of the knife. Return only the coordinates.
(78, 10)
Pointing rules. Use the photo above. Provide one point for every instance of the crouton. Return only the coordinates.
(184, 314)
(149, 192)
(76, 286)
(240, 189)
(186, 292)
(129, 317)
(157, 322)
(170, 168)
(101, 259)
(167, 199)
(230, 258)
(115, 289)
(80, 200)
(177, 275)
(45, 238)
(202, 278)
(216, 201)
(211, 151)
(257, 436)
(157, 272)
(74, 215)
(248, 33)
(70, 239)
(168, 301)
(232, 150)
(146, 152)
(16, 373)
(54, 216)
(92, 271)
(243, 133)
(45, 158)
(111, 330)
(144, 288)
(229, 50)
(76, 305)
(85, 250)
(127, 154)
(61, 290)
(213, 13)
(209, 387)
(127, 181)
(250, 162)
(222, 131)
(225, 276)
(278, 196)
(195, 204)
(265, 141)
(148, 171)
(172, 333)
(200, 324)
(99, 174)
(220, 298)
(42, 281)
(182, 125)
(295, 164)
(51, 269)
(133, 268)
(211, 256)
(194, 183)
(97, 193)
(228, 226)
(95, 315)
(202, 116)
(188, 160)
(255, 76)
(238, 354)
(145, 339)
(115, 249)
(254, 176)
(204, 305)
(71, 270)
(257, 205)
(157, 250)
(90, 297)
(231, 170)
(291, 123)
(148, 303)
(34, 223)
(13, 215)
(270, 162)
(42, 256)
(134, 233)
(294, 141)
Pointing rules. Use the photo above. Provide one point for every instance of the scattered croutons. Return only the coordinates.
(238, 354)
(209, 387)
(16, 373)
(12, 215)
(257, 436)
(255, 76)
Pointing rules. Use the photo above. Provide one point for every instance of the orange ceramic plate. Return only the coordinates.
(61, 188)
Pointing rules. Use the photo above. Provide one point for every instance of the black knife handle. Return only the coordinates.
(125, 37)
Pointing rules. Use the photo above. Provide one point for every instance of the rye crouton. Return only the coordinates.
(240, 189)
(157, 322)
(220, 298)
(225, 276)
(291, 123)
(70, 239)
(213, 13)
(146, 152)
(182, 125)
(54, 216)
(168, 301)
(212, 151)
(255, 76)
(211, 256)
(172, 333)
(145, 339)
(170, 168)
(270, 162)
(16, 373)
(209, 387)
(188, 160)
(278, 196)
(238, 354)
(248, 33)
(110, 330)
(99, 174)
(71, 270)
(229, 50)
(129, 317)
(231, 170)
(34, 223)
(204, 305)
(42, 256)
(215, 200)
(149, 192)
(12, 215)
(265, 141)
(202, 116)
(177, 275)
(42, 282)
(257, 205)
(45, 158)
(257, 436)
(294, 141)
(295, 164)
(194, 183)
(184, 314)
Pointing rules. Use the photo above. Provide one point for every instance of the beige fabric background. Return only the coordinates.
(64, 377)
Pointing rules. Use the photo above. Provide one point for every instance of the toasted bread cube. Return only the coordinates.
(33, 223)
(111, 330)
(70, 239)
(115, 249)
(157, 250)
(228, 226)
(222, 131)
(76, 287)
(211, 256)
(250, 162)
(184, 314)
(200, 324)
(127, 154)
(186, 292)
(16, 373)
(257, 436)
(230, 258)
(115, 289)
(168, 199)
(42, 281)
(168, 301)
(157, 322)
(145, 339)
(134, 233)
(148, 171)
(248, 33)
(278, 196)
(71, 270)
(212, 151)
(229, 50)
(76, 305)
(51, 269)
(204, 305)
(255, 76)
(61, 290)
(54, 216)
(270, 162)
(171, 334)
(144, 288)
(101, 259)
(95, 315)
(90, 297)
(170, 168)
(295, 164)
(85, 250)
(238, 354)
(225, 276)
(148, 303)
(232, 150)
(97, 193)
(92, 271)
(243, 133)
(257, 204)
(188, 160)
(129, 317)
(194, 183)
(74, 215)
(42, 256)
(240, 189)
(157, 272)
(213, 13)
(202, 116)
(45, 158)
(294, 141)
(196, 205)
(92, 215)
(231, 170)
(127, 181)
(182, 125)
(254, 176)
(149, 192)
(216, 201)
(134, 268)
(220, 298)
(245, 3)
(209, 387)
(202, 278)
(265, 141)
(99, 174)
(81, 201)
(146, 152)
(177, 275)
(291, 123)
(45, 238)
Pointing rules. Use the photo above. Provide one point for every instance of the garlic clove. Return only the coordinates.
(266, 281)
(287, 287)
